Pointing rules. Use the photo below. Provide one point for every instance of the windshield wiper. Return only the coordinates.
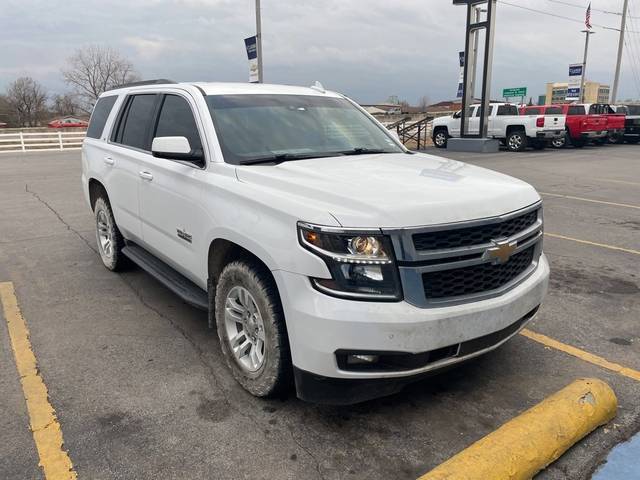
(280, 157)
(363, 151)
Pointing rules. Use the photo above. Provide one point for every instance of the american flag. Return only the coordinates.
(587, 20)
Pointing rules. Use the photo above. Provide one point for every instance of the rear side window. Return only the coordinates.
(553, 111)
(576, 110)
(533, 111)
(507, 110)
(99, 116)
(133, 129)
(176, 120)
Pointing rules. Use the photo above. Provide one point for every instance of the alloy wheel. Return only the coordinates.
(245, 329)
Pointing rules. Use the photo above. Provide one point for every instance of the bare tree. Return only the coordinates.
(93, 70)
(27, 101)
(423, 103)
(64, 105)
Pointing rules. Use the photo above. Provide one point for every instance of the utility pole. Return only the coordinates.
(584, 63)
(623, 27)
(259, 41)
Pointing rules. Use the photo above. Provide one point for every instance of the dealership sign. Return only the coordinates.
(251, 44)
(575, 81)
(461, 76)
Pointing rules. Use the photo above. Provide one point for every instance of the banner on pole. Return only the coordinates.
(575, 82)
(251, 45)
(461, 76)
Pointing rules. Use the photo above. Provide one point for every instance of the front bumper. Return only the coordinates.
(319, 326)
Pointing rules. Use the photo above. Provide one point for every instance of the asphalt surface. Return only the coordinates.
(141, 391)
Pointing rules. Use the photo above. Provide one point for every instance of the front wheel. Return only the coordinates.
(251, 328)
(517, 141)
(440, 138)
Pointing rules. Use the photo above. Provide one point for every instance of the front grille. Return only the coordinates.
(463, 237)
(475, 279)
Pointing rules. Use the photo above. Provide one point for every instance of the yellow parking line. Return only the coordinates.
(591, 200)
(581, 354)
(595, 244)
(44, 425)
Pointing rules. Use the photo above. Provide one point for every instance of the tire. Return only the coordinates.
(110, 240)
(440, 138)
(517, 141)
(616, 139)
(601, 141)
(633, 140)
(559, 142)
(249, 315)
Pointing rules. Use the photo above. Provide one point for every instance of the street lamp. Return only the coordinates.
(584, 63)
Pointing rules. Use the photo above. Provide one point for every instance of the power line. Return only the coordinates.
(570, 19)
(582, 7)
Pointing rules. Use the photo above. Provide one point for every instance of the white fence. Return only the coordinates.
(41, 141)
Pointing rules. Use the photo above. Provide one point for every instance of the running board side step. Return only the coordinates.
(167, 276)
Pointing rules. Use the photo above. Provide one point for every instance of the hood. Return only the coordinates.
(393, 190)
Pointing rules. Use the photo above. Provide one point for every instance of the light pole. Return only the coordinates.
(584, 63)
(259, 41)
(623, 26)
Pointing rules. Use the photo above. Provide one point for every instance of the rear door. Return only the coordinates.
(172, 213)
(130, 144)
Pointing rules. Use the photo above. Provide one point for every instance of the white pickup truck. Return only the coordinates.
(505, 124)
(326, 254)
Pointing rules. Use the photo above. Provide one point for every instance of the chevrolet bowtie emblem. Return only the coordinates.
(501, 251)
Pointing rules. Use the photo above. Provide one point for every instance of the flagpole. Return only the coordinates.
(259, 41)
(584, 63)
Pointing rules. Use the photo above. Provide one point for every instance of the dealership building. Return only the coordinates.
(594, 92)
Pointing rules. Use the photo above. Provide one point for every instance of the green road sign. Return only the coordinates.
(514, 92)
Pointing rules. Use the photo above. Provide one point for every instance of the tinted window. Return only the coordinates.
(576, 110)
(176, 120)
(507, 110)
(135, 126)
(533, 111)
(99, 116)
(633, 109)
(553, 111)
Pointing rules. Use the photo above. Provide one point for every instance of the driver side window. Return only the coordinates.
(176, 120)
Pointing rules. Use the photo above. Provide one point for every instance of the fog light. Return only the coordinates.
(362, 359)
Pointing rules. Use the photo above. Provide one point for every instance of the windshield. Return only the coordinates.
(633, 109)
(253, 128)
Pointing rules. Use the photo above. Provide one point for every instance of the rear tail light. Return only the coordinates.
(540, 122)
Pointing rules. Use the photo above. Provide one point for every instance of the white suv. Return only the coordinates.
(326, 253)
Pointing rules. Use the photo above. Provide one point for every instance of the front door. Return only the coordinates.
(173, 218)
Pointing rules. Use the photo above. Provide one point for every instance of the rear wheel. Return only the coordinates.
(577, 142)
(616, 138)
(440, 138)
(517, 141)
(559, 142)
(251, 328)
(110, 240)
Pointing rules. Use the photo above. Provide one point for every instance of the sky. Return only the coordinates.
(366, 49)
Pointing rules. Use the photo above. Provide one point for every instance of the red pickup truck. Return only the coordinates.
(615, 121)
(580, 127)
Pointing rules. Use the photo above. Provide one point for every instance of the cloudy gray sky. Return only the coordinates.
(368, 49)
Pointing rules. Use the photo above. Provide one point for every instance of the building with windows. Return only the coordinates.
(594, 92)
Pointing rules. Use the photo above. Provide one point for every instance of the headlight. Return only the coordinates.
(361, 263)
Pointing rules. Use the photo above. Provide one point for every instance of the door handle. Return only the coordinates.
(145, 175)
(108, 160)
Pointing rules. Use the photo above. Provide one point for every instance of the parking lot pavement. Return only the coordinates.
(141, 391)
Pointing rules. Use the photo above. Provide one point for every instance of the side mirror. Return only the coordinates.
(457, 114)
(176, 148)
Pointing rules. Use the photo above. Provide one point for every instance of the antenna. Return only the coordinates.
(318, 87)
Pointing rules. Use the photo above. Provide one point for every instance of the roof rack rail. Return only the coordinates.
(157, 81)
